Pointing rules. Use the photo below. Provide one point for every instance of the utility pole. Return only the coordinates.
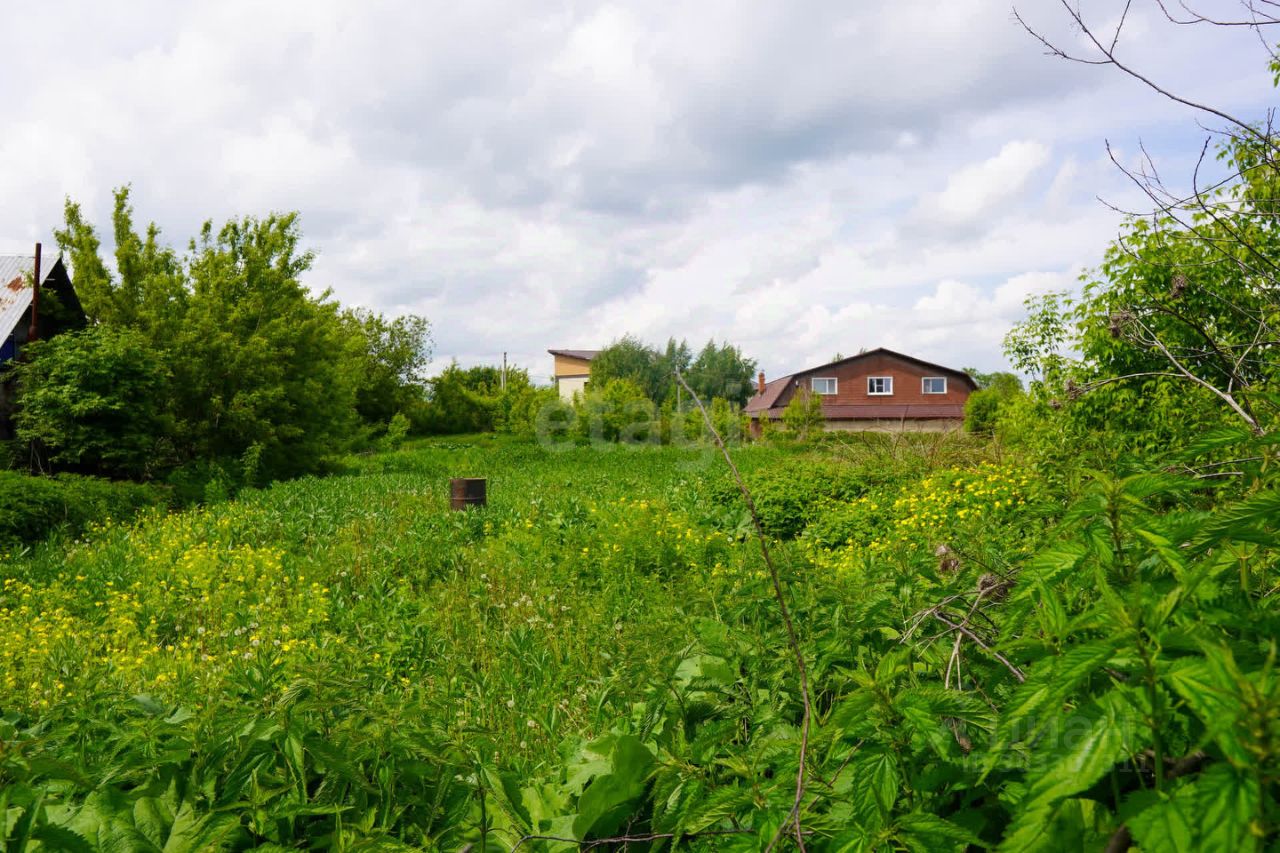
(504, 371)
(33, 333)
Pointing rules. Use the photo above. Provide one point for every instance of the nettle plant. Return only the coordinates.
(1117, 689)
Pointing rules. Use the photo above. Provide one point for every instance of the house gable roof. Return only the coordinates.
(15, 294)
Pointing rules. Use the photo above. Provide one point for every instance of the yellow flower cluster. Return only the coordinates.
(648, 534)
(165, 602)
(923, 514)
(929, 513)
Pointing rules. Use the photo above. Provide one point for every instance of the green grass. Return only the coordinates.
(345, 663)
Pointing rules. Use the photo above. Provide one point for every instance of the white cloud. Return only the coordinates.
(803, 179)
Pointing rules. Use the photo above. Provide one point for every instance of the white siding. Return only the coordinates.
(570, 385)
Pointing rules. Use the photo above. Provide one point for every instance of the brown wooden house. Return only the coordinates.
(877, 390)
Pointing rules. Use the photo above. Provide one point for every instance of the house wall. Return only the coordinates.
(566, 366)
(899, 425)
(570, 385)
(851, 384)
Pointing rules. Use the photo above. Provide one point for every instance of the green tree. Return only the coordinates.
(721, 370)
(93, 401)
(259, 361)
(631, 359)
(260, 366)
(803, 413)
(619, 411)
(394, 353)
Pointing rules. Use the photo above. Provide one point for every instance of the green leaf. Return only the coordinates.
(1227, 801)
(1076, 760)
(928, 833)
(1167, 826)
(1240, 519)
(60, 838)
(153, 819)
(876, 782)
(1211, 693)
(22, 828)
(1047, 688)
(611, 798)
(1047, 565)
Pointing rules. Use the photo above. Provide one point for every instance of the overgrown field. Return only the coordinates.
(1000, 652)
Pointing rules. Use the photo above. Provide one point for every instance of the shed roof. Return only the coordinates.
(583, 354)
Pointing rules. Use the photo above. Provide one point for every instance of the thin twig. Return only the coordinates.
(1017, 673)
(792, 639)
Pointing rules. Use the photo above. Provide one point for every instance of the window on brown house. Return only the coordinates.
(880, 385)
(934, 385)
(823, 385)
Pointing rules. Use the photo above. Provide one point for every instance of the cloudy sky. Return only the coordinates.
(798, 177)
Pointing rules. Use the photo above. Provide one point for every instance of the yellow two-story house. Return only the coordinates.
(572, 370)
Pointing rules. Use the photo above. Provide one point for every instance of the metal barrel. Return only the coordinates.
(467, 491)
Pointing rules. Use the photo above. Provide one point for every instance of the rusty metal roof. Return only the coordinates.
(15, 295)
(583, 354)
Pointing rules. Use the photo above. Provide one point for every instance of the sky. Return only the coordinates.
(798, 177)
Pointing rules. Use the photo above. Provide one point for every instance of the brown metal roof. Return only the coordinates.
(857, 412)
(583, 354)
(772, 390)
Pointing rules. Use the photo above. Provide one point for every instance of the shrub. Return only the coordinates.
(33, 507)
(94, 401)
(803, 414)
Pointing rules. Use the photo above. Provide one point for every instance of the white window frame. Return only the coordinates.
(888, 386)
(924, 386)
(835, 385)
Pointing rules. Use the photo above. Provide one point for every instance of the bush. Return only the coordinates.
(94, 401)
(33, 507)
(788, 498)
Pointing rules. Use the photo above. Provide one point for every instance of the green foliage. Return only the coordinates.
(618, 411)
(94, 401)
(31, 508)
(345, 661)
(395, 353)
(473, 399)
(982, 408)
(719, 370)
(803, 414)
(253, 362)
(631, 360)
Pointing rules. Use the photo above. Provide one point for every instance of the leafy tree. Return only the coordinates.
(722, 371)
(473, 399)
(261, 368)
(631, 359)
(803, 413)
(259, 361)
(677, 356)
(618, 411)
(719, 370)
(395, 353)
(995, 390)
(93, 401)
